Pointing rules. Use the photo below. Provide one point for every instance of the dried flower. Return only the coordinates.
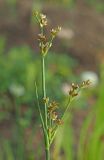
(53, 115)
(54, 32)
(46, 100)
(59, 122)
(53, 106)
(85, 84)
(41, 38)
(45, 48)
(90, 75)
(74, 90)
(43, 20)
(75, 86)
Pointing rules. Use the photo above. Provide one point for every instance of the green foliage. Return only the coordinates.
(64, 141)
(97, 4)
(91, 138)
(11, 3)
(59, 71)
(18, 69)
(64, 3)
(8, 152)
(2, 45)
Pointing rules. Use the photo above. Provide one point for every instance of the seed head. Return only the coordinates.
(55, 31)
(46, 100)
(74, 90)
(43, 20)
(41, 38)
(53, 106)
(85, 84)
(74, 86)
(59, 122)
(53, 116)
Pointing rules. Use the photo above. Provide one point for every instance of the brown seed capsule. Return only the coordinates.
(71, 91)
(85, 84)
(59, 122)
(42, 16)
(53, 116)
(43, 20)
(54, 32)
(75, 86)
(74, 94)
(53, 106)
(41, 37)
(46, 100)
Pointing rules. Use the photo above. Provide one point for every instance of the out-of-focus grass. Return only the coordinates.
(91, 137)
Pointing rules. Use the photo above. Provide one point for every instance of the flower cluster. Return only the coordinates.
(53, 114)
(75, 88)
(45, 43)
(55, 31)
(41, 19)
(52, 111)
(85, 84)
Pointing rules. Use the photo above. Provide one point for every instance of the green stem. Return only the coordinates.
(46, 138)
(47, 154)
(44, 90)
(67, 107)
(41, 117)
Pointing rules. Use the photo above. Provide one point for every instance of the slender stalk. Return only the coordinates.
(44, 90)
(41, 117)
(47, 150)
(47, 154)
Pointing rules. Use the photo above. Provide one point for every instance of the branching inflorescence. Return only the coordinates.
(50, 119)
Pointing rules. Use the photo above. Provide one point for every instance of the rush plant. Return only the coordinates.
(50, 119)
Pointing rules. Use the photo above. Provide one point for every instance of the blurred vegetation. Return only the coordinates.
(19, 68)
(91, 144)
(63, 145)
(97, 4)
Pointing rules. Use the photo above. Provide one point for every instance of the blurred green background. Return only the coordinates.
(77, 55)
